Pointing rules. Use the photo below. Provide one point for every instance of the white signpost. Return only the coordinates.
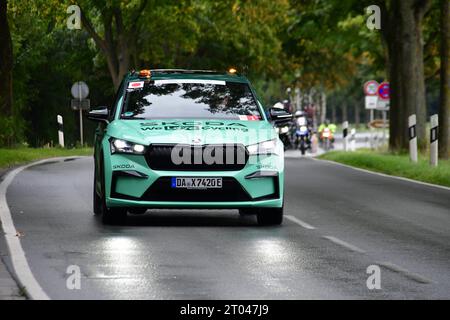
(434, 120)
(80, 91)
(59, 119)
(353, 139)
(345, 135)
(412, 137)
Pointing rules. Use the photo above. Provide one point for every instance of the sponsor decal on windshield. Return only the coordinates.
(194, 81)
(249, 118)
(193, 125)
(136, 85)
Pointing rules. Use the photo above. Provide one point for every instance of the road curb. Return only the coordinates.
(22, 271)
(383, 174)
(9, 284)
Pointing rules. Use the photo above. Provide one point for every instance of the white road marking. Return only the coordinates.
(384, 175)
(300, 222)
(408, 274)
(344, 244)
(19, 261)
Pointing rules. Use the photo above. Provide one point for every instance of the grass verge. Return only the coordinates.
(395, 165)
(13, 157)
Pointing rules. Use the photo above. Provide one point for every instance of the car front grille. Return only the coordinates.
(161, 190)
(232, 157)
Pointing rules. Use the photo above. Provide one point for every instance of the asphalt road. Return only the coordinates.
(340, 222)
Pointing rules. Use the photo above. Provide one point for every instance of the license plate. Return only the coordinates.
(197, 183)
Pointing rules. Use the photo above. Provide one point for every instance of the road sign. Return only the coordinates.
(371, 102)
(384, 91)
(83, 104)
(371, 88)
(80, 90)
(383, 105)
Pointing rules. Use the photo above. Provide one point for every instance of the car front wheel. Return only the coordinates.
(110, 216)
(97, 207)
(114, 216)
(270, 216)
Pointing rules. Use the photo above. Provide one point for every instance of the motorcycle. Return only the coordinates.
(283, 133)
(302, 135)
(327, 138)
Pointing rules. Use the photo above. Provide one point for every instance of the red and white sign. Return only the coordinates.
(136, 85)
(249, 118)
(371, 88)
(384, 91)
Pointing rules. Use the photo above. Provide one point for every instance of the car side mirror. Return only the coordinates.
(279, 115)
(100, 115)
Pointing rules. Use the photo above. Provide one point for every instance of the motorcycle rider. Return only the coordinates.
(300, 121)
(283, 129)
(330, 126)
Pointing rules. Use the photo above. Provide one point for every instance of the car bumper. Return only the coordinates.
(130, 182)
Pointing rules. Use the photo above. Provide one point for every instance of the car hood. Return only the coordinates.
(184, 131)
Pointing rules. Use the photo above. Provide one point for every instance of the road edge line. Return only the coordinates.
(383, 174)
(344, 244)
(19, 261)
(405, 272)
(300, 222)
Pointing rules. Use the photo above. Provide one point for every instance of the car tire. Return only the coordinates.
(96, 198)
(270, 216)
(110, 216)
(114, 216)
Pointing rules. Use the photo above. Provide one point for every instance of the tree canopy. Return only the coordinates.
(321, 47)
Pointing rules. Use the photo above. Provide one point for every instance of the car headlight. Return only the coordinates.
(266, 147)
(122, 146)
(285, 129)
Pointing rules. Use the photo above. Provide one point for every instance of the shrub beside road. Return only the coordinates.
(13, 157)
(394, 164)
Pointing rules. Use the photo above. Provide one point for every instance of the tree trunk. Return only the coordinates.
(323, 106)
(6, 63)
(119, 39)
(333, 114)
(357, 115)
(344, 112)
(402, 32)
(444, 108)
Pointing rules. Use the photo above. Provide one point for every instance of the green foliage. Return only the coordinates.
(394, 164)
(17, 156)
(322, 43)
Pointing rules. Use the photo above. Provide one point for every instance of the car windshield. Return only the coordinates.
(199, 99)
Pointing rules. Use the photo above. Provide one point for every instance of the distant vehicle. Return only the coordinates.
(326, 135)
(188, 139)
(326, 138)
(301, 132)
(284, 134)
(283, 127)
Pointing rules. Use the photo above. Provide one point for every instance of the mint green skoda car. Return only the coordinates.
(187, 139)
